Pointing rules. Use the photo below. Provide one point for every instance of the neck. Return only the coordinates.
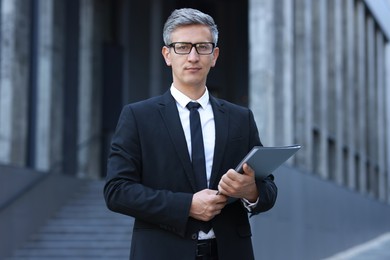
(193, 92)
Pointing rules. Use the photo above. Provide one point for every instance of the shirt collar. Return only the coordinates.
(183, 100)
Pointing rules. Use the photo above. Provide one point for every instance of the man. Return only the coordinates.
(155, 167)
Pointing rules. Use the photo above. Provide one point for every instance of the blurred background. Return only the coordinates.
(314, 72)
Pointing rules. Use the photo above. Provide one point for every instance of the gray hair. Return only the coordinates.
(188, 16)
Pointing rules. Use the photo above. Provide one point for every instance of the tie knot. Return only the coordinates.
(193, 105)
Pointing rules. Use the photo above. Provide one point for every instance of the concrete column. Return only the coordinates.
(303, 81)
(360, 95)
(288, 75)
(320, 80)
(339, 95)
(271, 70)
(261, 68)
(283, 69)
(335, 91)
(371, 122)
(89, 114)
(49, 86)
(380, 115)
(349, 84)
(387, 116)
(14, 76)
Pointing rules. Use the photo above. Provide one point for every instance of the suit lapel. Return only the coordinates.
(221, 119)
(170, 115)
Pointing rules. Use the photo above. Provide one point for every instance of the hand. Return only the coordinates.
(234, 184)
(206, 204)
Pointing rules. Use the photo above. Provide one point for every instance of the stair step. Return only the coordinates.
(82, 229)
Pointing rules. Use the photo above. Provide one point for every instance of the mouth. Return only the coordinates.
(194, 69)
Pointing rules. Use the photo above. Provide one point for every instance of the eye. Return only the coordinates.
(182, 47)
(202, 47)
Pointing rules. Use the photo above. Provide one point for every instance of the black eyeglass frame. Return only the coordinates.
(172, 45)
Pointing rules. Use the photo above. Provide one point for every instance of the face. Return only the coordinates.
(190, 70)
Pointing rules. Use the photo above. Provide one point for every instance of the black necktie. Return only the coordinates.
(198, 158)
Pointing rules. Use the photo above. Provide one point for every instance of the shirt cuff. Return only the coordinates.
(249, 205)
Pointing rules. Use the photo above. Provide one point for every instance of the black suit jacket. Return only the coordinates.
(150, 178)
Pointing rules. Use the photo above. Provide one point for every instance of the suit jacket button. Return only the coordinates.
(194, 236)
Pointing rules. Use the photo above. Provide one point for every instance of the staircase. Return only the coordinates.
(82, 229)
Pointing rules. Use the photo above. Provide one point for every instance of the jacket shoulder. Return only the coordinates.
(150, 102)
(229, 106)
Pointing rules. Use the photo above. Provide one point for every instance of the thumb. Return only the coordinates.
(248, 170)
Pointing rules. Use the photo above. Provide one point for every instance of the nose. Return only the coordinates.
(193, 55)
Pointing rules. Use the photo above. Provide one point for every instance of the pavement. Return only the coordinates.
(376, 249)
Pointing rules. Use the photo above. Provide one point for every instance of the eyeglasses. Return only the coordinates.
(202, 48)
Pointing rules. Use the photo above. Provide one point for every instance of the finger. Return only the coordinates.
(220, 189)
(232, 174)
(220, 194)
(221, 184)
(224, 185)
(221, 198)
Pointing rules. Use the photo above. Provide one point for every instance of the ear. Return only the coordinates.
(215, 56)
(167, 55)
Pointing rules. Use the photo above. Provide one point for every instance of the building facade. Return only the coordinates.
(315, 73)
